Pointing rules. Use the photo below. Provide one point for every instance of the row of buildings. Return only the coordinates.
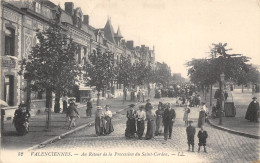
(21, 19)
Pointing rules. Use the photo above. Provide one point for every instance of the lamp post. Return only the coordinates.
(222, 79)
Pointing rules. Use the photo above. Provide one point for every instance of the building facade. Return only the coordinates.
(21, 19)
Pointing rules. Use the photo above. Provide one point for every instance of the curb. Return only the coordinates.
(51, 140)
(234, 131)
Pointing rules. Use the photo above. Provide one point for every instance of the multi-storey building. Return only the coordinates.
(21, 19)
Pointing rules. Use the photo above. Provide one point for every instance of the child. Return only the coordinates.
(190, 130)
(202, 135)
(186, 115)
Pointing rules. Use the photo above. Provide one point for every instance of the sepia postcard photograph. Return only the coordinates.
(135, 81)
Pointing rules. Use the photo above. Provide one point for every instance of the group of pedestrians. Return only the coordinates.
(156, 120)
(103, 119)
(190, 130)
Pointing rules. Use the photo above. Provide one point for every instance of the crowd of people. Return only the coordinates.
(164, 117)
(160, 122)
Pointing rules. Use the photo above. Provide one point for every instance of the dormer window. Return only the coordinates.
(37, 7)
(77, 18)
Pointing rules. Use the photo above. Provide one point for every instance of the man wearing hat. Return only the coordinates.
(252, 112)
(190, 131)
(140, 117)
(169, 116)
(72, 113)
(130, 124)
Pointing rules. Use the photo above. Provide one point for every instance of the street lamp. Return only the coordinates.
(222, 79)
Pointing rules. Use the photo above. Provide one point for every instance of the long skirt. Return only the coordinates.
(109, 125)
(159, 126)
(89, 112)
(130, 128)
(185, 116)
(201, 120)
(150, 130)
(100, 126)
(140, 129)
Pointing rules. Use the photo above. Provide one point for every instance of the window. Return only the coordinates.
(85, 54)
(79, 54)
(9, 41)
(37, 7)
(9, 90)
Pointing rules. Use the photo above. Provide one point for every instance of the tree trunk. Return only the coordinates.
(211, 95)
(103, 92)
(149, 89)
(57, 103)
(205, 90)
(98, 100)
(242, 88)
(48, 98)
(48, 106)
(28, 98)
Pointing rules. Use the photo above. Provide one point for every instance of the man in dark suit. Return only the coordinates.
(169, 116)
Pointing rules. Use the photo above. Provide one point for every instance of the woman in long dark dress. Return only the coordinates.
(131, 123)
(108, 117)
(202, 116)
(159, 119)
(150, 116)
(252, 112)
(99, 122)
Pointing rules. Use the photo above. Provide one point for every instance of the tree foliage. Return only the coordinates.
(207, 71)
(162, 74)
(124, 71)
(100, 69)
(51, 65)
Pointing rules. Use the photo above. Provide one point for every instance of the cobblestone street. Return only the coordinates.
(221, 146)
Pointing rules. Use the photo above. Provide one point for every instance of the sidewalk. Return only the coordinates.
(238, 124)
(37, 134)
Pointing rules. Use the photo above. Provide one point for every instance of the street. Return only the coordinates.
(221, 146)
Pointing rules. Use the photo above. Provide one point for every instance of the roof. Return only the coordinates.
(109, 31)
(118, 33)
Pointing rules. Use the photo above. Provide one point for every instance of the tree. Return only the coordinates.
(51, 65)
(206, 72)
(123, 71)
(252, 75)
(101, 70)
(162, 74)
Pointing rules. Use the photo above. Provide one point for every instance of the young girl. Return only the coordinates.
(186, 115)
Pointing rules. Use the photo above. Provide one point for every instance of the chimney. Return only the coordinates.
(130, 45)
(69, 7)
(86, 19)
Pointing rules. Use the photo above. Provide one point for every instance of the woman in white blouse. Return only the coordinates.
(108, 117)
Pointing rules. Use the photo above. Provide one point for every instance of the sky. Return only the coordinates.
(181, 29)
